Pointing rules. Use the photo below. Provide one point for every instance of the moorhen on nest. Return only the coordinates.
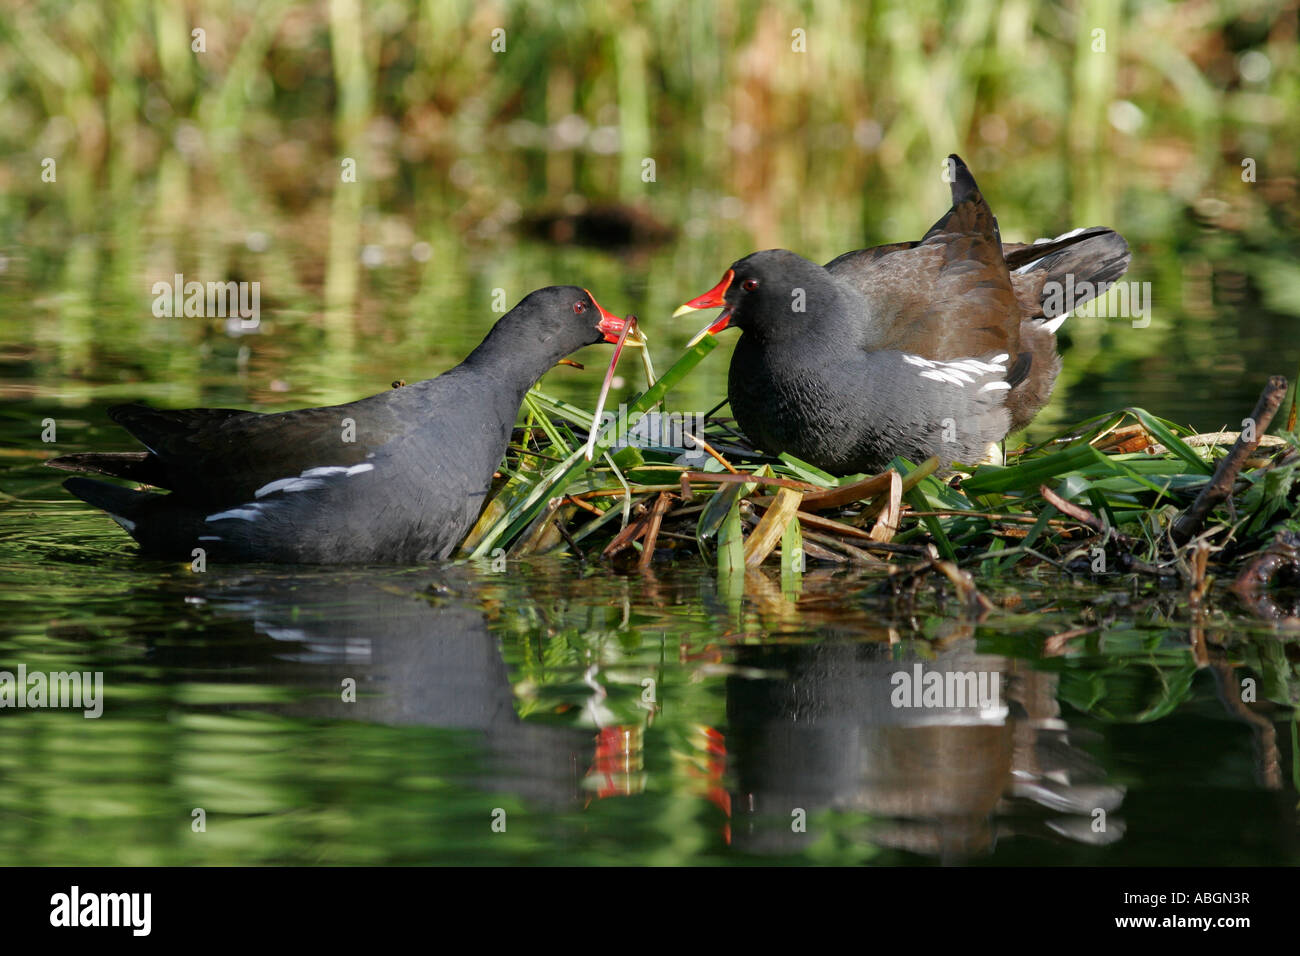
(395, 478)
(941, 346)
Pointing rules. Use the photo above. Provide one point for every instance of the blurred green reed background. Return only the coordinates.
(815, 126)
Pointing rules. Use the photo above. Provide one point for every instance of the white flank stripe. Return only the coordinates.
(310, 479)
(960, 372)
(304, 484)
(940, 376)
(243, 514)
(272, 486)
(288, 485)
(995, 386)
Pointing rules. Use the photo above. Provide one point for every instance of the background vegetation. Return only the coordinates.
(226, 163)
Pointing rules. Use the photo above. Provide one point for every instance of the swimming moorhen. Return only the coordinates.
(941, 346)
(395, 478)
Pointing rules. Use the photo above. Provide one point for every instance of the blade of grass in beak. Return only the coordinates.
(559, 478)
(645, 361)
(695, 339)
(628, 328)
(702, 334)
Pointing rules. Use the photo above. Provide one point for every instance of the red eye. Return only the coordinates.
(749, 285)
(579, 307)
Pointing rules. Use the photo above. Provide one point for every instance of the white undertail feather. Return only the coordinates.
(1051, 325)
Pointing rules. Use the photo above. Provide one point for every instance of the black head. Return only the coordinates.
(562, 319)
(773, 294)
(543, 328)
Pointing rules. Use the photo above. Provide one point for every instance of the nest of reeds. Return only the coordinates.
(1126, 493)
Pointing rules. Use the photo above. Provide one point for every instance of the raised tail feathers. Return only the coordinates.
(1052, 277)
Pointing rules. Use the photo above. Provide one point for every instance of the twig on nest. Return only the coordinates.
(652, 529)
(1219, 487)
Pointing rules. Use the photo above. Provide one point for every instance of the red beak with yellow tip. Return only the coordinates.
(715, 298)
(613, 326)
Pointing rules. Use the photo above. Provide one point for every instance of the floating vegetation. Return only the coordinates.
(1125, 493)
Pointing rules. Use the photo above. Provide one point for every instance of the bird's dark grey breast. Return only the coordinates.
(855, 411)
